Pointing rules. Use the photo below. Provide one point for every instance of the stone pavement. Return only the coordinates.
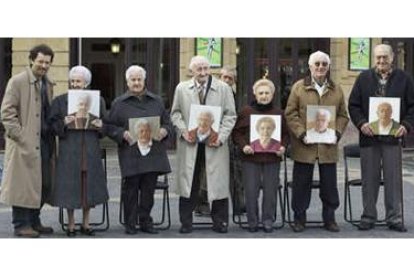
(50, 214)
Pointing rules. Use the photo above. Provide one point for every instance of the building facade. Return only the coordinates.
(282, 60)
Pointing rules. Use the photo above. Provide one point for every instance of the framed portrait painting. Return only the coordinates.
(83, 108)
(320, 124)
(359, 53)
(265, 133)
(204, 123)
(211, 48)
(384, 115)
(144, 128)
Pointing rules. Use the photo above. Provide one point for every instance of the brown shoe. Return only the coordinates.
(298, 226)
(26, 232)
(331, 227)
(43, 230)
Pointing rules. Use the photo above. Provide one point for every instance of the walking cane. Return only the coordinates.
(401, 144)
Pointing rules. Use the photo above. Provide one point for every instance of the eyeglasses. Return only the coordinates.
(324, 64)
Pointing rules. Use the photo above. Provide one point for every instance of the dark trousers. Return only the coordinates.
(263, 176)
(382, 160)
(236, 185)
(25, 217)
(219, 208)
(138, 198)
(302, 191)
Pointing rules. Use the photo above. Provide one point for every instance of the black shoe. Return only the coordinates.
(298, 226)
(71, 233)
(130, 230)
(186, 229)
(399, 227)
(149, 230)
(220, 228)
(253, 229)
(268, 228)
(87, 231)
(331, 227)
(365, 226)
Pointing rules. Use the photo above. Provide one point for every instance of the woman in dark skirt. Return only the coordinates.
(80, 179)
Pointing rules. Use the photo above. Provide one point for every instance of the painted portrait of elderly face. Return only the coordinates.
(204, 118)
(84, 105)
(265, 133)
(384, 115)
(144, 129)
(320, 124)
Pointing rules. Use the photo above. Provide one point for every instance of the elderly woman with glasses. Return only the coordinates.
(80, 179)
(316, 89)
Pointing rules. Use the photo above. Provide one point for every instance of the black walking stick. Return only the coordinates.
(401, 144)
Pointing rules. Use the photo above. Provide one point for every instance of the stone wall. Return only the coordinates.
(59, 70)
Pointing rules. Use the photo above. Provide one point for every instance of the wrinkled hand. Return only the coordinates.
(128, 137)
(248, 150)
(97, 123)
(401, 131)
(161, 134)
(305, 140)
(367, 130)
(281, 151)
(69, 119)
(186, 136)
(215, 144)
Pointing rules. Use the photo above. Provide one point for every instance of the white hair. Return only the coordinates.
(196, 60)
(386, 47)
(209, 114)
(82, 70)
(318, 55)
(324, 112)
(141, 122)
(135, 69)
(86, 98)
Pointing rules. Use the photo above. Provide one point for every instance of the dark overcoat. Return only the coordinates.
(128, 106)
(78, 150)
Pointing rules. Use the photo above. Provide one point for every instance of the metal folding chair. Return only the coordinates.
(164, 222)
(105, 212)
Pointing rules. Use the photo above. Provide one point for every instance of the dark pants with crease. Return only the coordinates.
(382, 160)
(24, 217)
(138, 198)
(302, 190)
(263, 176)
(219, 208)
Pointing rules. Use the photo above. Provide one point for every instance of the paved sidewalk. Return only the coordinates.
(50, 214)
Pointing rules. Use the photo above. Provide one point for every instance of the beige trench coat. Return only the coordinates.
(303, 94)
(21, 117)
(217, 159)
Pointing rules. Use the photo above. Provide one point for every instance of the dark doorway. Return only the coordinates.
(105, 83)
(159, 57)
(282, 60)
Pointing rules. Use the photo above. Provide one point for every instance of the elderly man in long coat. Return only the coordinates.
(26, 180)
(198, 160)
